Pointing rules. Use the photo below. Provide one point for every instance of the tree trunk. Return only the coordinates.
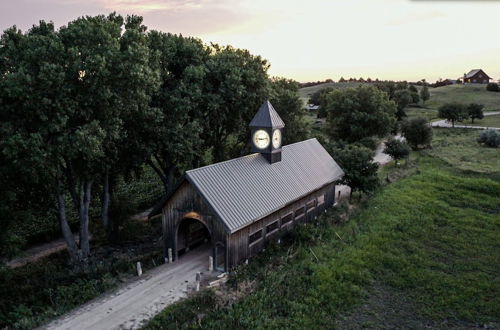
(84, 219)
(105, 201)
(170, 179)
(63, 224)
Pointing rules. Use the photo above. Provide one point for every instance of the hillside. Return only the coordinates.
(464, 94)
(473, 93)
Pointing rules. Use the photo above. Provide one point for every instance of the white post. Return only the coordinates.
(170, 256)
(139, 268)
(210, 263)
(198, 280)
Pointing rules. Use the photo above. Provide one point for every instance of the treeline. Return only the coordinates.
(402, 93)
(102, 97)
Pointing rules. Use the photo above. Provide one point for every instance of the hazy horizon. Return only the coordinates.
(385, 39)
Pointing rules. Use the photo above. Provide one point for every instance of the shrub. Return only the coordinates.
(396, 149)
(417, 132)
(489, 138)
(493, 87)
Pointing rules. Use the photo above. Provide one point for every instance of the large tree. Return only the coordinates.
(453, 112)
(402, 97)
(424, 93)
(235, 85)
(64, 96)
(357, 113)
(417, 132)
(360, 172)
(176, 141)
(475, 111)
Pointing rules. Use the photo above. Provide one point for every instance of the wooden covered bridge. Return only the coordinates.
(241, 204)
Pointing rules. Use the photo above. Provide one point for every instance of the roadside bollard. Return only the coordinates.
(198, 280)
(139, 268)
(210, 263)
(169, 255)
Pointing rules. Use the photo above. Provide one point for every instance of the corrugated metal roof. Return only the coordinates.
(472, 73)
(267, 117)
(246, 189)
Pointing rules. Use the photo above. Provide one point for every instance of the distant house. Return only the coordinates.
(476, 76)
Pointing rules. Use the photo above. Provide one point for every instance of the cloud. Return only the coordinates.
(144, 6)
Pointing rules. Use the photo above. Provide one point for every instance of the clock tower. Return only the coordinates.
(266, 132)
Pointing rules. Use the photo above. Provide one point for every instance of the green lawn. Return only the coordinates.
(414, 112)
(423, 252)
(473, 93)
(459, 148)
(487, 121)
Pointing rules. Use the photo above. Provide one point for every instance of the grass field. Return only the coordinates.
(423, 252)
(488, 121)
(460, 148)
(473, 93)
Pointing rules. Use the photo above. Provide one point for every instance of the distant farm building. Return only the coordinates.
(240, 205)
(476, 76)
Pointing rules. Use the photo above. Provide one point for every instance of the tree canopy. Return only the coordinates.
(357, 113)
(417, 132)
(453, 112)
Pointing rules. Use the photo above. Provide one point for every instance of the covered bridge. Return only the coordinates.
(241, 204)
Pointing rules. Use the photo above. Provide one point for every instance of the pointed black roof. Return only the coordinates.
(267, 117)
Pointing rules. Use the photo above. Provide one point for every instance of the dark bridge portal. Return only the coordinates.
(191, 234)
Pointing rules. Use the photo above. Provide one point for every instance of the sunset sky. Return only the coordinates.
(314, 39)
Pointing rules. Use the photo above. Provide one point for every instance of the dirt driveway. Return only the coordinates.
(131, 305)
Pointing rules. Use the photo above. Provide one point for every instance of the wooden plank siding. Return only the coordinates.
(184, 201)
(240, 248)
(237, 246)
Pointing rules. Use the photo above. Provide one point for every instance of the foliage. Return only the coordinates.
(283, 95)
(360, 172)
(36, 293)
(492, 87)
(424, 93)
(175, 142)
(490, 138)
(430, 239)
(453, 112)
(397, 149)
(475, 111)
(235, 86)
(67, 97)
(459, 147)
(402, 98)
(464, 94)
(357, 113)
(185, 315)
(417, 132)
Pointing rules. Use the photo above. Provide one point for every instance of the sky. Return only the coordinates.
(309, 40)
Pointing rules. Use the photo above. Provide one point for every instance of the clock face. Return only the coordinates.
(261, 139)
(277, 138)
